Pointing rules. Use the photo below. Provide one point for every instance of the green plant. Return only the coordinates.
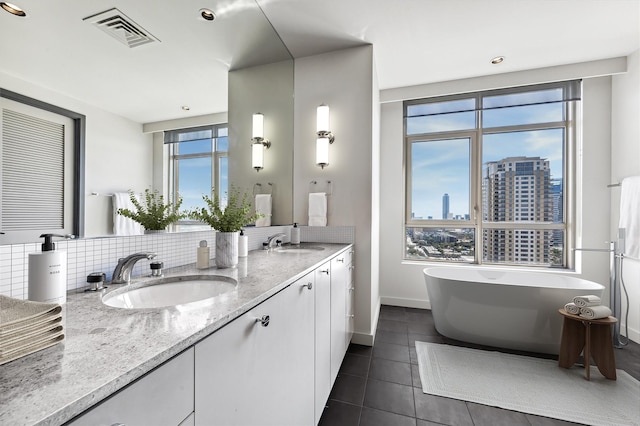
(152, 212)
(232, 218)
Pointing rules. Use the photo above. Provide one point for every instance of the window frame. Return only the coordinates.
(476, 137)
(173, 178)
(78, 163)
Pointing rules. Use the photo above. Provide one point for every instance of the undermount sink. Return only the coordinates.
(170, 291)
(293, 249)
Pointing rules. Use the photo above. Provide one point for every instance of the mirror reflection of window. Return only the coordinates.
(197, 166)
(36, 189)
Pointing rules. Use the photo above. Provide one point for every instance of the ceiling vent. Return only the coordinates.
(121, 27)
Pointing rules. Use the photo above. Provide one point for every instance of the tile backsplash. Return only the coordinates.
(174, 249)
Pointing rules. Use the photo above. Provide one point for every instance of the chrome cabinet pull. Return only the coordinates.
(324, 271)
(340, 260)
(309, 286)
(264, 320)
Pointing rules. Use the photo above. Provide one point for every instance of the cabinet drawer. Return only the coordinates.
(162, 397)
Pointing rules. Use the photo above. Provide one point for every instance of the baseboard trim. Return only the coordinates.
(362, 339)
(405, 303)
(634, 335)
(367, 339)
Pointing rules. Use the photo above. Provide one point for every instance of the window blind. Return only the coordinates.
(32, 173)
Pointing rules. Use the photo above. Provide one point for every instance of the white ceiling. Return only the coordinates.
(415, 42)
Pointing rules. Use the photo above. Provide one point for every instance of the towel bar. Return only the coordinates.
(329, 190)
(259, 188)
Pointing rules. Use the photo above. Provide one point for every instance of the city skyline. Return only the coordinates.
(436, 168)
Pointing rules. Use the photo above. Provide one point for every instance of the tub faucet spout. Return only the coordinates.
(122, 273)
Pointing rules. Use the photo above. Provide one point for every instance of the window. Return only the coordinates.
(41, 169)
(486, 175)
(198, 165)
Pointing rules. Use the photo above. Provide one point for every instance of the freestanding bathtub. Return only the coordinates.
(502, 308)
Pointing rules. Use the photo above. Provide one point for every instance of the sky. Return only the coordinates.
(194, 174)
(443, 166)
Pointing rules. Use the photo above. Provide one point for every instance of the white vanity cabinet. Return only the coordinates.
(259, 368)
(323, 338)
(339, 281)
(162, 397)
(351, 295)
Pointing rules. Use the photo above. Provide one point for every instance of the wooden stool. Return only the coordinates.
(594, 336)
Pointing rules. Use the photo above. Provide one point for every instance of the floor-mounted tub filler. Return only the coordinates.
(503, 308)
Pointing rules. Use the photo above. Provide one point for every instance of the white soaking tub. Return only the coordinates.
(503, 308)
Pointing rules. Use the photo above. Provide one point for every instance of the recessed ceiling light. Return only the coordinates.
(207, 14)
(185, 107)
(12, 9)
(497, 60)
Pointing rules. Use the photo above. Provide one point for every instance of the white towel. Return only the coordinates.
(630, 215)
(123, 225)
(572, 308)
(317, 209)
(595, 312)
(263, 206)
(588, 300)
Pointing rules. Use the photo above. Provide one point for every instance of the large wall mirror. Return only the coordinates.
(124, 65)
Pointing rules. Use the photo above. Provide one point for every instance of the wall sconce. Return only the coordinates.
(325, 137)
(259, 142)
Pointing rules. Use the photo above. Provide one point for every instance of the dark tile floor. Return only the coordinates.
(380, 385)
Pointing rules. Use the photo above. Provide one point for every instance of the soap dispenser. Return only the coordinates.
(48, 273)
(295, 234)
(243, 244)
(202, 258)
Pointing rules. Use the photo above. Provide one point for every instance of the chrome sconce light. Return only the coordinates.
(259, 142)
(325, 137)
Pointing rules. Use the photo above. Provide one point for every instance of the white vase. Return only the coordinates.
(227, 249)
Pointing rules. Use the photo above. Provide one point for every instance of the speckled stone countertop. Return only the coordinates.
(107, 348)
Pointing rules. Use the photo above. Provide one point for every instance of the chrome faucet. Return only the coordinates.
(273, 241)
(122, 273)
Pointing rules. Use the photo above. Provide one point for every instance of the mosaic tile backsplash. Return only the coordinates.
(174, 249)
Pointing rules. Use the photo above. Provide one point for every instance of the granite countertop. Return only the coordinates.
(107, 348)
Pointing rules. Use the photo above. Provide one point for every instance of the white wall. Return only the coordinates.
(267, 89)
(118, 155)
(402, 282)
(625, 161)
(344, 81)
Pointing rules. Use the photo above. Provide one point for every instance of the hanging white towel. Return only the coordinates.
(123, 225)
(572, 308)
(588, 300)
(595, 312)
(630, 215)
(317, 209)
(263, 206)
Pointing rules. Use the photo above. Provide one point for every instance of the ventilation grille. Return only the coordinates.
(121, 27)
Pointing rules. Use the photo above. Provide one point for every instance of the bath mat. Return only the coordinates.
(529, 385)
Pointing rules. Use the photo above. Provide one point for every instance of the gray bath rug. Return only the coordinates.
(529, 385)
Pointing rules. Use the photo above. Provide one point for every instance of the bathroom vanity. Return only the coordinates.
(264, 353)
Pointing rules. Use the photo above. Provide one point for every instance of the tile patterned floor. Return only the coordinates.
(380, 385)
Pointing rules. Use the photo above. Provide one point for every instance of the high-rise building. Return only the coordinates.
(517, 189)
(445, 206)
(558, 211)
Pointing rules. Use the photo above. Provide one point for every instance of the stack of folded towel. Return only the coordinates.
(588, 306)
(27, 327)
